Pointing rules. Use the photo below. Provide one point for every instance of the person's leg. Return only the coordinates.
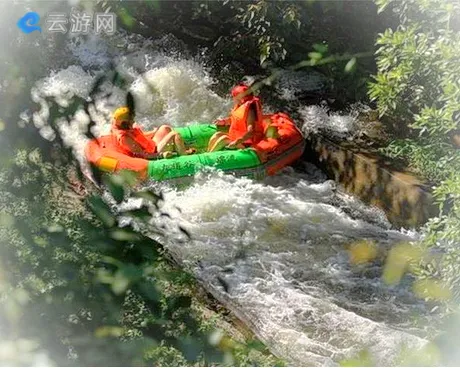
(220, 143)
(180, 145)
(167, 143)
(214, 139)
(161, 133)
(151, 133)
(168, 140)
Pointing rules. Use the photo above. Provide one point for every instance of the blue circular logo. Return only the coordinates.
(28, 23)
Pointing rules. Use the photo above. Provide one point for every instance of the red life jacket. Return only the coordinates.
(238, 122)
(136, 134)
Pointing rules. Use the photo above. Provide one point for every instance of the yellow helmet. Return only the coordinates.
(121, 115)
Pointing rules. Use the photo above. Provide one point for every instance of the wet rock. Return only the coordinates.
(375, 179)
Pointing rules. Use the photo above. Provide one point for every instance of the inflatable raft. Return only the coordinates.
(265, 158)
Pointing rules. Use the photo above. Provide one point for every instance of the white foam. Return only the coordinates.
(319, 119)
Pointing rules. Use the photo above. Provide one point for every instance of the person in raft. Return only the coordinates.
(131, 140)
(246, 123)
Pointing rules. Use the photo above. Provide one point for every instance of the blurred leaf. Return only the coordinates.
(351, 65)
(55, 228)
(118, 80)
(120, 282)
(432, 290)
(321, 48)
(398, 260)
(129, 177)
(141, 213)
(125, 235)
(190, 347)
(362, 251)
(126, 18)
(115, 183)
(130, 103)
(362, 360)
(427, 356)
(97, 86)
(102, 210)
(215, 337)
(185, 232)
(108, 331)
(315, 56)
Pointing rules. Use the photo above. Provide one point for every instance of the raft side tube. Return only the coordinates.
(197, 135)
(190, 165)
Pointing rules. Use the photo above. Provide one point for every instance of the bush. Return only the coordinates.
(418, 86)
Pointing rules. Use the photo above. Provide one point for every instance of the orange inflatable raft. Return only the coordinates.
(265, 158)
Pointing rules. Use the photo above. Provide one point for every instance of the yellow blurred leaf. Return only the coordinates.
(108, 331)
(431, 289)
(362, 360)
(427, 356)
(362, 251)
(398, 261)
(126, 18)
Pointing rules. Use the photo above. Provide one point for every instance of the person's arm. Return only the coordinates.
(137, 150)
(222, 122)
(151, 133)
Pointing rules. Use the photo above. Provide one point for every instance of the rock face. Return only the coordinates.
(406, 200)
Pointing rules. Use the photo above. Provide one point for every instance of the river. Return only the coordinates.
(274, 252)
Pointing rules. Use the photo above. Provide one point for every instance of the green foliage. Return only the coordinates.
(432, 160)
(269, 22)
(417, 85)
(240, 37)
(418, 66)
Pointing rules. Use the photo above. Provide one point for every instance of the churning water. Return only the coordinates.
(274, 252)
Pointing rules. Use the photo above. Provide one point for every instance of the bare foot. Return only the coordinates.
(168, 154)
(190, 151)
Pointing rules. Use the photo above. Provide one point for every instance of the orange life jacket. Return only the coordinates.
(136, 134)
(238, 122)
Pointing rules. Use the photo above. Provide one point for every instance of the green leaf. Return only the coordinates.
(320, 47)
(127, 19)
(108, 331)
(120, 282)
(141, 213)
(351, 65)
(362, 360)
(102, 210)
(315, 56)
(125, 235)
(115, 184)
